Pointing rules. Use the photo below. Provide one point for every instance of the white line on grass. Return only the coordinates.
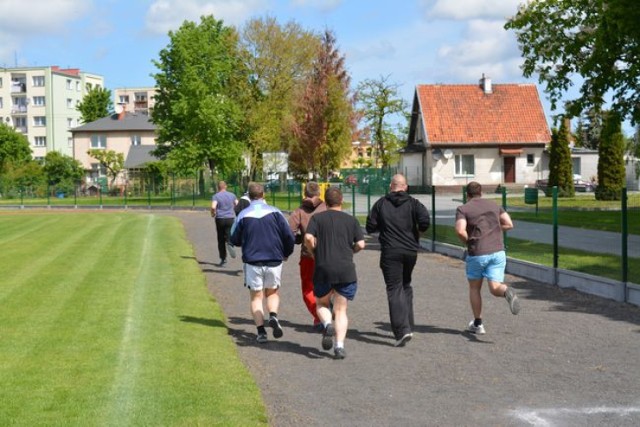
(122, 391)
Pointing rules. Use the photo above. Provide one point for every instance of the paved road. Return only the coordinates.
(568, 359)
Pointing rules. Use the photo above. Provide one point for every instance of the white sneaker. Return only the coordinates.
(232, 250)
(512, 300)
(404, 340)
(479, 330)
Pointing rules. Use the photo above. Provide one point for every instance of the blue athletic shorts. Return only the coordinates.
(490, 266)
(347, 290)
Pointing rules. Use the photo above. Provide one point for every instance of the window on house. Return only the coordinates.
(576, 166)
(124, 99)
(39, 101)
(88, 86)
(20, 122)
(530, 159)
(465, 165)
(38, 81)
(136, 140)
(39, 121)
(69, 122)
(98, 141)
(39, 159)
(0, 81)
(69, 84)
(40, 141)
(98, 170)
(0, 102)
(77, 86)
(69, 103)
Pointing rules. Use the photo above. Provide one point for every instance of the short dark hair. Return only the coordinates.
(474, 189)
(333, 197)
(312, 189)
(256, 191)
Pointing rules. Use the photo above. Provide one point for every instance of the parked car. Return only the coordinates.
(580, 185)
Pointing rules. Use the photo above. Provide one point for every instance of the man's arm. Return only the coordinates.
(461, 230)
(505, 221)
(214, 207)
(358, 246)
(310, 242)
(372, 219)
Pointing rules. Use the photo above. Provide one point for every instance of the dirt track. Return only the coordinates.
(568, 359)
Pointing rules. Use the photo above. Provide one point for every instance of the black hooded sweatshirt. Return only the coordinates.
(399, 218)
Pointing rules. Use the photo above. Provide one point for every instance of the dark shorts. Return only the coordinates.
(347, 290)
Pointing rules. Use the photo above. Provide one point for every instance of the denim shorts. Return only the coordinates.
(490, 266)
(347, 290)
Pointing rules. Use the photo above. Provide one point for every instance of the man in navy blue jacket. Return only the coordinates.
(266, 240)
(399, 218)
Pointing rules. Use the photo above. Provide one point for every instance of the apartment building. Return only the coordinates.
(135, 100)
(40, 103)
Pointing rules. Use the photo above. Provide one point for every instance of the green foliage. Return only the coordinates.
(14, 148)
(379, 100)
(95, 105)
(196, 111)
(598, 41)
(611, 170)
(323, 123)
(111, 160)
(560, 168)
(277, 59)
(25, 179)
(62, 171)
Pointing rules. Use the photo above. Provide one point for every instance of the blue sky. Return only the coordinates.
(412, 41)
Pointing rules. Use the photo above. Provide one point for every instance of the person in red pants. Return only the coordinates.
(298, 221)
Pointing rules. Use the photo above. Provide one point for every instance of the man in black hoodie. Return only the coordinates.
(399, 218)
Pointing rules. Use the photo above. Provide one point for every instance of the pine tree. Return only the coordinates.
(560, 168)
(611, 171)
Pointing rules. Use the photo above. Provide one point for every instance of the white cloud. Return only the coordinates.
(470, 9)
(20, 21)
(165, 15)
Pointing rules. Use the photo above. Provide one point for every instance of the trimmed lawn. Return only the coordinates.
(106, 320)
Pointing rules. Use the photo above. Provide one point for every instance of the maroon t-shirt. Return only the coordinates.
(483, 226)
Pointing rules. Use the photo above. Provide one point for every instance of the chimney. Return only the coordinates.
(121, 109)
(485, 84)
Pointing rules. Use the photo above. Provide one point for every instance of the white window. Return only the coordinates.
(39, 159)
(39, 121)
(124, 99)
(98, 170)
(77, 86)
(465, 165)
(39, 101)
(136, 140)
(88, 85)
(0, 102)
(0, 81)
(38, 80)
(69, 103)
(40, 141)
(20, 122)
(69, 122)
(69, 84)
(98, 141)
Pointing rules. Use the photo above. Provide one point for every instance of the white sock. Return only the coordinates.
(339, 344)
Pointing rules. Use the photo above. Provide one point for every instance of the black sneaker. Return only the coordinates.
(339, 353)
(512, 299)
(277, 329)
(223, 262)
(327, 337)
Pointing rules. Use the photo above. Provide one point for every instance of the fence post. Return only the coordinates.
(75, 196)
(504, 206)
(149, 195)
(464, 194)
(368, 198)
(353, 200)
(554, 208)
(173, 189)
(125, 196)
(193, 193)
(433, 218)
(48, 196)
(625, 235)
(22, 198)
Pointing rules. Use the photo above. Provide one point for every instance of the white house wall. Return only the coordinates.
(411, 167)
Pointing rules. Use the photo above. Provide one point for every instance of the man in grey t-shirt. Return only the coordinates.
(479, 225)
(222, 204)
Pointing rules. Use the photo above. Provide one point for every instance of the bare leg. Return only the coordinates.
(341, 321)
(497, 289)
(475, 297)
(273, 300)
(256, 307)
(322, 308)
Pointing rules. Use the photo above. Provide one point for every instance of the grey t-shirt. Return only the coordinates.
(483, 226)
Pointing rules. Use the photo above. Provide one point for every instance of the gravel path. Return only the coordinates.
(568, 359)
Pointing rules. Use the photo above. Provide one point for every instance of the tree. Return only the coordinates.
(196, 112)
(95, 105)
(598, 41)
(380, 100)
(14, 148)
(324, 120)
(62, 171)
(111, 160)
(611, 170)
(560, 168)
(278, 59)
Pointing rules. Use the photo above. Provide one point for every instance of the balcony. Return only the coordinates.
(18, 87)
(19, 109)
(21, 129)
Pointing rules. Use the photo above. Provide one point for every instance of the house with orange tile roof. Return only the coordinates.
(494, 134)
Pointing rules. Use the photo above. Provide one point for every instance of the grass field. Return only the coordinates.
(106, 320)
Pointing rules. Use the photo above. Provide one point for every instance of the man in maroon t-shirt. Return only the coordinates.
(479, 225)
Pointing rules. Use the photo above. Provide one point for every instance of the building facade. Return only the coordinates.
(136, 100)
(40, 103)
